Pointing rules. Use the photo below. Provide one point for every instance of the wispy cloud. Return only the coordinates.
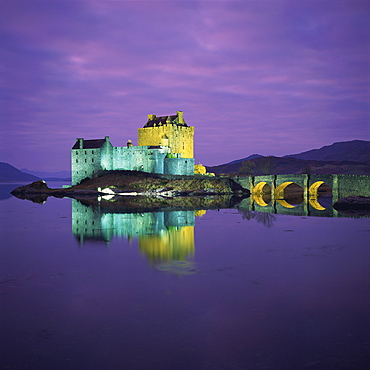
(252, 77)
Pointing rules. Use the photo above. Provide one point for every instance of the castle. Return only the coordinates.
(165, 146)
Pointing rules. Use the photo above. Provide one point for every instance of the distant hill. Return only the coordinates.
(349, 157)
(253, 156)
(355, 150)
(280, 166)
(59, 175)
(9, 173)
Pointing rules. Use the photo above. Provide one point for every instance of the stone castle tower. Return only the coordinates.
(165, 146)
(169, 131)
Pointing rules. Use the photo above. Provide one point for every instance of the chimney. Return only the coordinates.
(80, 143)
(151, 117)
(107, 139)
(129, 143)
(180, 116)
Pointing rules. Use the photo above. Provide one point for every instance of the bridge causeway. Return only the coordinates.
(273, 187)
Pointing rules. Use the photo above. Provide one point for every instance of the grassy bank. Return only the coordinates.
(136, 181)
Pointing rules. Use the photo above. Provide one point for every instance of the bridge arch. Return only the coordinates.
(280, 190)
(262, 193)
(262, 188)
(284, 203)
(291, 193)
(315, 203)
(259, 199)
(314, 189)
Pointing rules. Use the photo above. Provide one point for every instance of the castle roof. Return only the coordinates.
(89, 144)
(163, 120)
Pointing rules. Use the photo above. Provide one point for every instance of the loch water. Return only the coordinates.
(181, 289)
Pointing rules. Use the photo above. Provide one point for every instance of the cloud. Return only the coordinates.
(244, 72)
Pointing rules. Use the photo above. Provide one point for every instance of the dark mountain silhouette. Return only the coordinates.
(279, 166)
(253, 156)
(59, 175)
(355, 150)
(9, 173)
(351, 158)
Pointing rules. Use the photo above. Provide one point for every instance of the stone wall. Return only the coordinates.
(87, 162)
(179, 166)
(353, 185)
(180, 138)
(139, 158)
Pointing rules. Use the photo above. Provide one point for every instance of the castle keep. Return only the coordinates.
(165, 145)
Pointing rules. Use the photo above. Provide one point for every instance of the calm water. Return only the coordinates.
(181, 290)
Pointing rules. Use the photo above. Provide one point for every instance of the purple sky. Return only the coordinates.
(266, 77)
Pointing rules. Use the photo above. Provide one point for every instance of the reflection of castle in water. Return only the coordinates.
(167, 235)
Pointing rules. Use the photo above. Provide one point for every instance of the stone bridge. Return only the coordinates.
(268, 191)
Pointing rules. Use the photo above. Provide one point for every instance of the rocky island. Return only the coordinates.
(136, 184)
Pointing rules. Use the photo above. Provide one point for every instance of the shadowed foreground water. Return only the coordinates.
(204, 290)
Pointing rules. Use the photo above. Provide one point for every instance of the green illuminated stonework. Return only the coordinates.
(158, 156)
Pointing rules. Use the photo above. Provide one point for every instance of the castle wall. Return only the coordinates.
(164, 148)
(139, 158)
(87, 162)
(180, 138)
(179, 166)
(106, 161)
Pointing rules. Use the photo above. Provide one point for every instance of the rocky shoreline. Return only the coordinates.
(135, 201)
(133, 184)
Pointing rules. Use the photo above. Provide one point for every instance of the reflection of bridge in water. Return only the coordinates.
(301, 194)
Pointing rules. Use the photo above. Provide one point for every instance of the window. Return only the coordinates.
(85, 152)
(92, 152)
(85, 160)
(76, 160)
(92, 160)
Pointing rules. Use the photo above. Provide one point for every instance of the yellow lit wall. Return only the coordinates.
(180, 138)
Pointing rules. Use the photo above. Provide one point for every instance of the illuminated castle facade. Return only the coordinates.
(165, 146)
